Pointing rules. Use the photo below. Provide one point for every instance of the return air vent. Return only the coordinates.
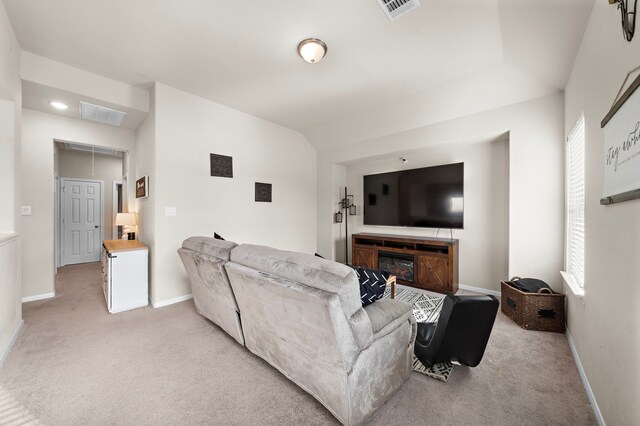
(101, 114)
(396, 8)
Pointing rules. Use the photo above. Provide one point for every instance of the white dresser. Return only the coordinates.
(125, 281)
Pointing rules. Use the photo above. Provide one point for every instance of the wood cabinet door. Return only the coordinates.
(365, 258)
(433, 272)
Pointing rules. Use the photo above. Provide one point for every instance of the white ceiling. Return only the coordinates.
(37, 96)
(242, 53)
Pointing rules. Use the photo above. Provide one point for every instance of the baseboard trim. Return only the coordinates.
(585, 381)
(129, 307)
(171, 301)
(16, 333)
(38, 297)
(479, 290)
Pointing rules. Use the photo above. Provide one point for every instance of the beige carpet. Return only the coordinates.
(74, 364)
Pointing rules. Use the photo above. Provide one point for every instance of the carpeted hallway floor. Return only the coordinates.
(74, 364)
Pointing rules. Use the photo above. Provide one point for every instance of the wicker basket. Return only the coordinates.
(534, 311)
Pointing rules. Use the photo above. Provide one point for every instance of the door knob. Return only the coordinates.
(96, 226)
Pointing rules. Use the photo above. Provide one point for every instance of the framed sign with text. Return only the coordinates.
(622, 148)
(142, 187)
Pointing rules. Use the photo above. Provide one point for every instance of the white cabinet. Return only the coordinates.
(125, 281)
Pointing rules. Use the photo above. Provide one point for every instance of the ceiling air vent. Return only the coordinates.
(101, 114)
(396, 8)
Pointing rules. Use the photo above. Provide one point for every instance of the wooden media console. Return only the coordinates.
(426, 263)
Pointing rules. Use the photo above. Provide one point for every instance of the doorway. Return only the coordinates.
(81, 231)
(117, 207)
(87, 163)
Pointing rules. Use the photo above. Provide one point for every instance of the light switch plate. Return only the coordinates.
(169, 211)
(25, 210)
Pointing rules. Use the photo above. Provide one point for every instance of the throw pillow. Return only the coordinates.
(372, 284)
(217, 236)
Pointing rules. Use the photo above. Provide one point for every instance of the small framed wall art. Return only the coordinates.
(142, 187)
(221, 165)
(263, 192)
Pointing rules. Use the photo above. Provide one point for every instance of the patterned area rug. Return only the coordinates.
(426, 308)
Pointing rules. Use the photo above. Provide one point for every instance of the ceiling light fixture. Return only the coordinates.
(59, 105)
(312, 50)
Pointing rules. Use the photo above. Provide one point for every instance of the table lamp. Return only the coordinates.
(128, 222)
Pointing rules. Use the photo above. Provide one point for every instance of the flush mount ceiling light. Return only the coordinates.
(312, 50)
(58, 105)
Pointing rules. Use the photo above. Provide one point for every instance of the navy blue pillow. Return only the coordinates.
(373, 283)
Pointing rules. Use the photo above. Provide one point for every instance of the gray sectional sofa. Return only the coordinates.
(303, 315)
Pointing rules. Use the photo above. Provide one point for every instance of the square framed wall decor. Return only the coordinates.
(263, 192)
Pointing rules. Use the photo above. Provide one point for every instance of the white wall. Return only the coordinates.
(484, 239)
(483, 90)
(47, 72)
(79, 165)
(39, 130)
(536, 176)
(187, 130)
(8, 148)
(145, 165)
(606, 327)
(338, 229)
(11, 94)
(10, 118)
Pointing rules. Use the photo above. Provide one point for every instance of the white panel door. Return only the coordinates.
(82, 221)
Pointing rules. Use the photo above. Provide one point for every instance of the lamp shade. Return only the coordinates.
(312, 50)
(126, 219)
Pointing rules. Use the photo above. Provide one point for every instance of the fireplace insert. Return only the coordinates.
(400, 265)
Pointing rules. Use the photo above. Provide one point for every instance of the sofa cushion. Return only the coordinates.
(387, 313)
(303, 268)
(210, 246)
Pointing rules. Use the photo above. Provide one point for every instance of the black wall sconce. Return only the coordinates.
(628, 17)
(345, 204)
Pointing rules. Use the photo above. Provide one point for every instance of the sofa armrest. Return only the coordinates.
(381, 368)
(362, 330)
(386, 315)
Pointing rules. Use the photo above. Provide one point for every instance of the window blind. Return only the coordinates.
(575, 202)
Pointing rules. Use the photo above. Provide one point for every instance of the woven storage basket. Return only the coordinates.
(533, 311)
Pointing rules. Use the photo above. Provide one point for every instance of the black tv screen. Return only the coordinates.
(431, 197)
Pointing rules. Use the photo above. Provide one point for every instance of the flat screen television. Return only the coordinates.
(430, 197)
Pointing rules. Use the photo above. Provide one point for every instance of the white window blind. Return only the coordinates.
(575, 202)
